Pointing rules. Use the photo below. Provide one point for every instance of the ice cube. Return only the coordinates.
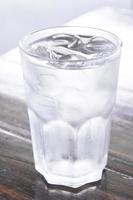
(44, 106)
(75, 107)
(58, 47)
(49, 84)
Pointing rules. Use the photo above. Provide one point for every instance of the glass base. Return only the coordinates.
(71, 182)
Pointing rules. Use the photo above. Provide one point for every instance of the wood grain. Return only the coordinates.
(20, 181)
(14, 118)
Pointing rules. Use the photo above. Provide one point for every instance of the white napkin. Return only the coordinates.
(119, 22)
(11, 76)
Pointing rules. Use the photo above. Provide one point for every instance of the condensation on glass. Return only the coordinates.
(70, 77)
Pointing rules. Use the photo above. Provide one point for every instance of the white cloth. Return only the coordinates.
(117, 21)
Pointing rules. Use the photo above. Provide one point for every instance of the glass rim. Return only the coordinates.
(90, 60)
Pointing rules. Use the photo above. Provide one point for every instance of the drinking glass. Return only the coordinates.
(70, 78)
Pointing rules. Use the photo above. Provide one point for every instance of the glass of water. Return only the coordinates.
(70, 77)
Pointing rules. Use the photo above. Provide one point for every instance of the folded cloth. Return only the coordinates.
(117, 21)
(11, 76)
(120, 23)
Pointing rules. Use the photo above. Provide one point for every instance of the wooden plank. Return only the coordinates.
(19, 181)
(14, 118)
(15, 147)
(21, 150)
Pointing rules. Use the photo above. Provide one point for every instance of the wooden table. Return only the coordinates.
(20, 181)
(18, 178)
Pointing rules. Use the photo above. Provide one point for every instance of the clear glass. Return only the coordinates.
(70, 108)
